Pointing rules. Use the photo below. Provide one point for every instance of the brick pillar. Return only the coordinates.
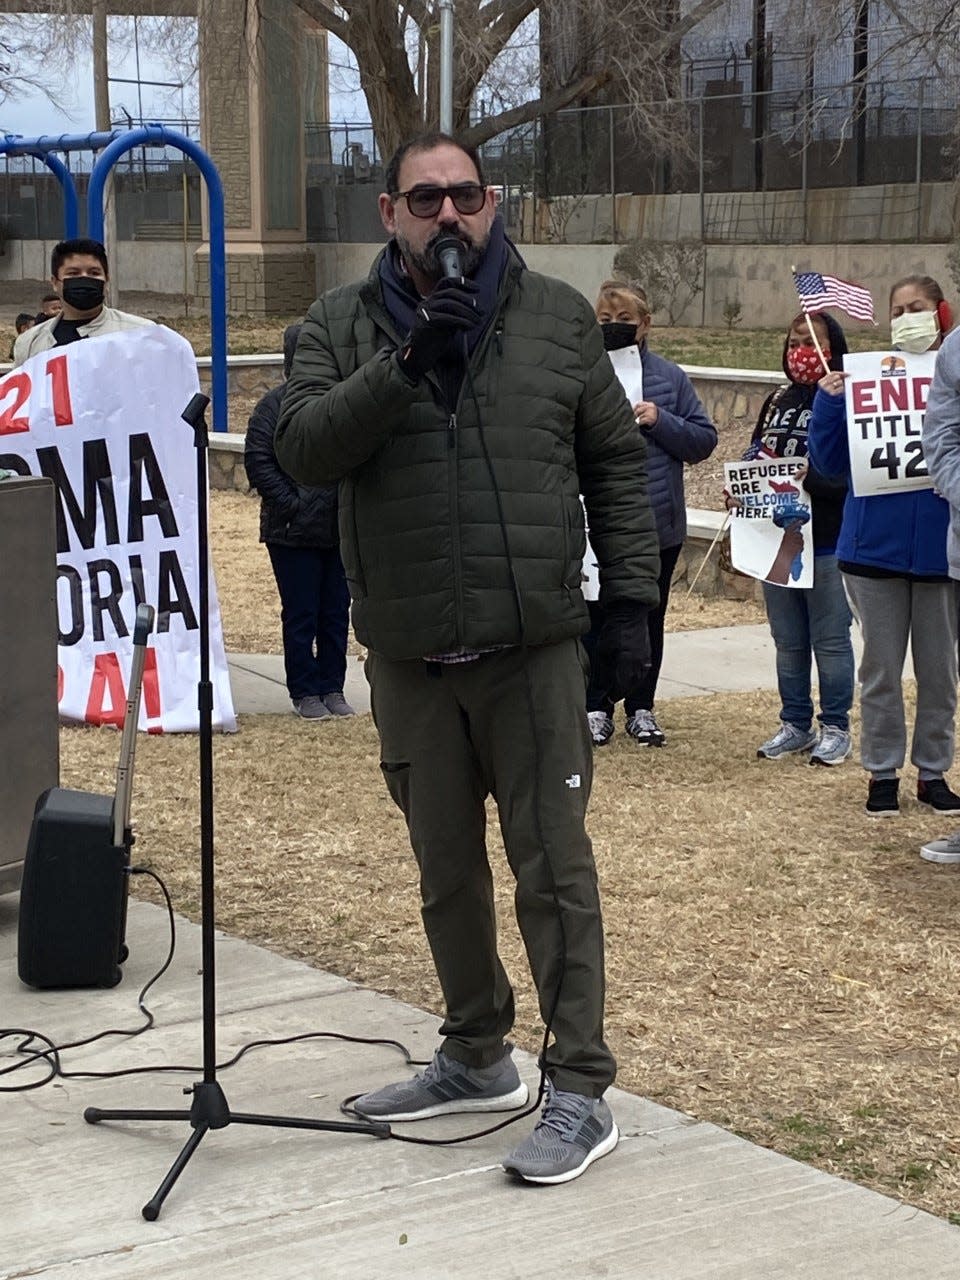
(251, 118)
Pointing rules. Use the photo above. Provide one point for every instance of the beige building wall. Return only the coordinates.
(758, 276)
(251, 116)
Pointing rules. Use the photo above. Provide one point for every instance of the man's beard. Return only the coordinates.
(427, 262)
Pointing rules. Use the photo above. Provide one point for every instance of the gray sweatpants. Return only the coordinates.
(892, 611)
(512, 725)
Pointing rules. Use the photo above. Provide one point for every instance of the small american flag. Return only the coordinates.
(816, 292)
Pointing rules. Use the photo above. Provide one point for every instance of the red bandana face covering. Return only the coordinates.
(804, 364)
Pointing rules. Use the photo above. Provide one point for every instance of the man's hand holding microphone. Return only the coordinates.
(440, 319)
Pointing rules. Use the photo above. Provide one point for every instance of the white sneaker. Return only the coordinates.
(945, 851)
(833, 746)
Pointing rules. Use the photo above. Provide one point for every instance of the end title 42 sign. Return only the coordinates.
(101, 418)
(886, 398)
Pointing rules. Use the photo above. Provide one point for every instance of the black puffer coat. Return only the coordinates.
(540, 419)
(291, 514)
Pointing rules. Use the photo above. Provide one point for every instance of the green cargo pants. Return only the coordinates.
(513, 725)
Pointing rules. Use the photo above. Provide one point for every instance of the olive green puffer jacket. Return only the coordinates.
(465, 530)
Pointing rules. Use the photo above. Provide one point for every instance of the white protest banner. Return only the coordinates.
(771, 531)
(101, 418)
(628, 367)
(886, 398)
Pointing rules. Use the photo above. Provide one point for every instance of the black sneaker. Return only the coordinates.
(643, 728)
(937, 795)
(883, 797)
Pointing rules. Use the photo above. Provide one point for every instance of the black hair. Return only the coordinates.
(49, 297)
(70, 248)
(836, 338)
(427, 142)
(22, 319)
(290, 336)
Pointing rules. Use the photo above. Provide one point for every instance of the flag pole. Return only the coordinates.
(703, 562)
(813, 332)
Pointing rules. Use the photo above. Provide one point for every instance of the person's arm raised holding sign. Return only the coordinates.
(892, 554)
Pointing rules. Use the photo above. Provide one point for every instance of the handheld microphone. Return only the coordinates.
(450, 257)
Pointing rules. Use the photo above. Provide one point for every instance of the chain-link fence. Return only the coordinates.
(156, 190)
(750, 161)
(745, 167)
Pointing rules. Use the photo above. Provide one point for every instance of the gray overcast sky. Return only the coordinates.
(33, 114)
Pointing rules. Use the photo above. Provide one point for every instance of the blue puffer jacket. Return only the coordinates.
(682, 433)
(900, 532)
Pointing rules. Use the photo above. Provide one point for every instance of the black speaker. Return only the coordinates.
(74, 893)
(73, 898)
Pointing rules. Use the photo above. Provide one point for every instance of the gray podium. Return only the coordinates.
(29, 743)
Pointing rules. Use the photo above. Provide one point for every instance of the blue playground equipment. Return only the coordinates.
(112, 146)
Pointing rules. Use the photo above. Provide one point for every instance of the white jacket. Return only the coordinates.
(40, 337)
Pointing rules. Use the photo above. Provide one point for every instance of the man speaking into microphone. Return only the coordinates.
(464, 403)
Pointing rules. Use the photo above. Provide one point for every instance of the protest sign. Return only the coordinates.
(886, 398)
(628, 367)
(101, 418)
(771, 533)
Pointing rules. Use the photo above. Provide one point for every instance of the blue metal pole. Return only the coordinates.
(71, 204)
(10, 145)
(159, 135)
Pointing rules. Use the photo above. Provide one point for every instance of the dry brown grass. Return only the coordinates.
(778, 963)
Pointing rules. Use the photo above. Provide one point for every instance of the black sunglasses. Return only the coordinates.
(426, 202)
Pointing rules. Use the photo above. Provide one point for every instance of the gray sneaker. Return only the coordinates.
(833, 746)
(571, 1133)
(312, 707)
(601, 727)
(337, 704)
(946, 850)
(787, 740)
(445, 1087)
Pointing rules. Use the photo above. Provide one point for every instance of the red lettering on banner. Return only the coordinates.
(863, 401)
(60, 386)
(920, 388)
(106, 680)
(151, 690)
(18, 385)
(893, 394)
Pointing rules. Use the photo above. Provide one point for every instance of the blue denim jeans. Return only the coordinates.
(813, 622)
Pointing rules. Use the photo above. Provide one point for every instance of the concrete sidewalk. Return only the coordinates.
(695, 663)
(678, 1200)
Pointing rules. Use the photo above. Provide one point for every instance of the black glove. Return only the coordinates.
(623, 650)
(449, 311)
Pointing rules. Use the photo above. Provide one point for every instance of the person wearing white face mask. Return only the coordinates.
(892, 552)
(941, 448)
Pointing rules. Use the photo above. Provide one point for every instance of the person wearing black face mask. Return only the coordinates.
(79, 276)
(676, 429)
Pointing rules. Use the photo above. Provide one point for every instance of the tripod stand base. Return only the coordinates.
(210, 1110)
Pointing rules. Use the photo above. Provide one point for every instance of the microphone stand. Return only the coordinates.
(210, 1109)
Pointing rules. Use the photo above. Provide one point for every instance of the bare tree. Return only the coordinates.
(40, 39)
(631, 41)
(29, 41)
